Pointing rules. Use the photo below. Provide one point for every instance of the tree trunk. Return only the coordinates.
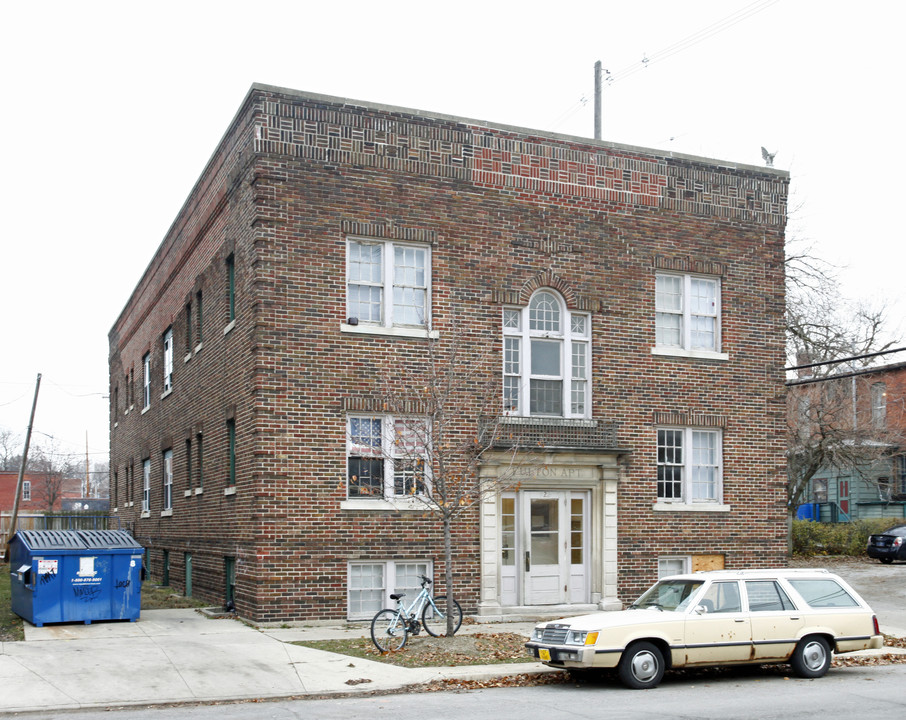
(448, 573)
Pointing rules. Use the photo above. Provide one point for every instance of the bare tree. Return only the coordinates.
(445, 411)
(53, 466)
(100, 480)
(831, 342)
(10, 450)
(830, 426)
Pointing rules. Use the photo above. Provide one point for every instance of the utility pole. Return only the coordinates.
(598, 100)
(31, 421)
(87, 473)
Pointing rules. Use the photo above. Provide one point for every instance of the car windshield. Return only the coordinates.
(670, 595)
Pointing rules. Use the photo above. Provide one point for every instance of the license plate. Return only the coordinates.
(544, 654)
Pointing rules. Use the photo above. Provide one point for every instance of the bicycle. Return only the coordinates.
(390, 629)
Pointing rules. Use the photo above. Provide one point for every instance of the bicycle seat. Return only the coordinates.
(397, 596)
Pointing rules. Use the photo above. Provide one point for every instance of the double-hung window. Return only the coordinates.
(546, 359)
(689, 466)
(26, 490)
(879, 405)
(231, 288)
(168, 360)
(687, 311)
(168, 480)
(146, 485)
(231, 452)
(387, 284)
(386, 457)
(146, 381)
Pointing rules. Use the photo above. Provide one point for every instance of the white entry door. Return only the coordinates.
(545, 576)
(544, 544)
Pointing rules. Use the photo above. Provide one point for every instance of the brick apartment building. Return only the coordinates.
(632, 301)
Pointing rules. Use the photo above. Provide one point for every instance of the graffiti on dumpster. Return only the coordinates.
(48, 576)
(123, 583)
(86, 593)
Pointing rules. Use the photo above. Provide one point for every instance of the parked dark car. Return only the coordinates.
(890, 545)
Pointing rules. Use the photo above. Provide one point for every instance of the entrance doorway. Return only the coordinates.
(544, 542)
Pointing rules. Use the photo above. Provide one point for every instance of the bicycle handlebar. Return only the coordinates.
(425, 580)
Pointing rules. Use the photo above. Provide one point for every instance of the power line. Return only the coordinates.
(695, 38)
(687, 42)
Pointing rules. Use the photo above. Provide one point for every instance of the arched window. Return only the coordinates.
(546, 358)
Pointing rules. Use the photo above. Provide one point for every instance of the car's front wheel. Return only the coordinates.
(811, 658)
(886, 560)
(642, 666)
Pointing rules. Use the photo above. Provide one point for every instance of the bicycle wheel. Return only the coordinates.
(388, 631)
(435, 621)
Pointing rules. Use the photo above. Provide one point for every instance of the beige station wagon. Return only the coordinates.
(720, 617)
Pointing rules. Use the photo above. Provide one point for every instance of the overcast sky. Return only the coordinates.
(112, 109)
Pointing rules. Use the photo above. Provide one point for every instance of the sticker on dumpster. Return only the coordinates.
(47, 567)
(86, 567)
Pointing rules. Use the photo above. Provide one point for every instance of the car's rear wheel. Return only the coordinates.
(811, 658)
(886, 561)
(642, 666)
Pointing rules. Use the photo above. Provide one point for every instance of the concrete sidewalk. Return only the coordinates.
(182, 656)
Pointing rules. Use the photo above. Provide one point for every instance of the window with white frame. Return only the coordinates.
(546, 359)
(678, 565)
(689, 466)
(879, 405)
(168, 480)
(371, 584)
(26, 490)
(386, 456)
(388, 283)
(146, 381)
(168, 360)
(687, 312)
(146, 485)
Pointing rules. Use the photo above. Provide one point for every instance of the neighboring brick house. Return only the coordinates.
(873, 414)
(633, 300)
(39, 493)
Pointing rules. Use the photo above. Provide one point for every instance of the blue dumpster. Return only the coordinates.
(75, 575)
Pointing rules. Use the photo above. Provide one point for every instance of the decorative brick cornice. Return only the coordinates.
(689, 265)
(377, 406)
(389, 231)
(528, 164)
(688, 419)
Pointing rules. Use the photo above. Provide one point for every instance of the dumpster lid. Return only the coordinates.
(108, 539)
(51, 539)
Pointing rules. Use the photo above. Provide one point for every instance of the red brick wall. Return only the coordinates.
(503, 211)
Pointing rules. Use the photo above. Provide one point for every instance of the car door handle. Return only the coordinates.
(739, 620)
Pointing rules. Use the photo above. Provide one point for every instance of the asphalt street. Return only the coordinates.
(862, 693)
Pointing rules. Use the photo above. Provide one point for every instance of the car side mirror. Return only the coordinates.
(700, 610)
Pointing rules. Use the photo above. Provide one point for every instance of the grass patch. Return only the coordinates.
(473, 649)
(10, 624)
(160, 597)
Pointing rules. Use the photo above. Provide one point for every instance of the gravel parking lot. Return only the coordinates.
(882, 586)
